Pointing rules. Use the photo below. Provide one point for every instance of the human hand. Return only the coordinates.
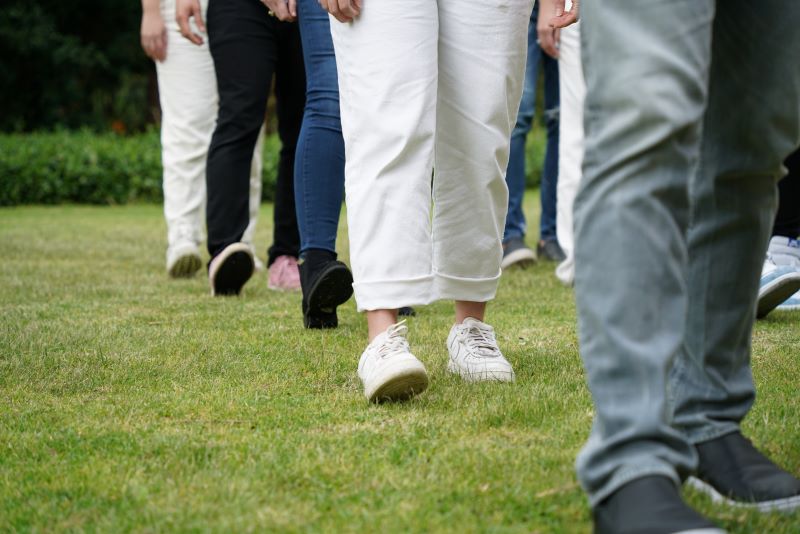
(285, 10)
(548, 37)
(185, 10)
(153, 35)
(342, 10)
(562, 18)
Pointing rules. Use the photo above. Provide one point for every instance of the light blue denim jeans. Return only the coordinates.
(672, 220)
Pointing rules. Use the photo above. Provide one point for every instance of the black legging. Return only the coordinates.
(248, 47)
(787, 220)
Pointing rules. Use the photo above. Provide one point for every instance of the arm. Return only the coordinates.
(153, 33)
(185, 10)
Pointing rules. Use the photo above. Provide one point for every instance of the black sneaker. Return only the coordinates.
(406, 311)
(650, 504)
(732, 471)
(517, 253)
(550, 250)
(326, 284)
(229, 270)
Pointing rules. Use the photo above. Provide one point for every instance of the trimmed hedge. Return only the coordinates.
(89, 168)
(84, 167)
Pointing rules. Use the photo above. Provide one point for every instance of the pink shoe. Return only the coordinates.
(284, 274)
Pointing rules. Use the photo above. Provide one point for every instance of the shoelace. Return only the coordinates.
(481, 341)
(395, 340)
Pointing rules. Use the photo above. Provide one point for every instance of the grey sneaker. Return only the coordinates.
(550, 250)
(474, 354)
(517, 253)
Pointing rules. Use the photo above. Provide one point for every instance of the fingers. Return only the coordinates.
(182, 16)
(197, 13)
(292, 5)
(348, 9)
(563, 18)
(548, 44)
(160, 47)
(334, 7)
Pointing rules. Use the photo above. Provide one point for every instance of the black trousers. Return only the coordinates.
(787, 220)
(249, 47)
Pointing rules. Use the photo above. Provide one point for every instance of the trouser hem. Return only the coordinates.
(708, 434)
(423, 290)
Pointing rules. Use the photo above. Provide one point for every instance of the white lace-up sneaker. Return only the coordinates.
(387, 368)
(474, 354)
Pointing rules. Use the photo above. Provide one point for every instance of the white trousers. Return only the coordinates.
(187, 87)
(424, 85)
(572, 89)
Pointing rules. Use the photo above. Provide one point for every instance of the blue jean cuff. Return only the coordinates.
(707, 433)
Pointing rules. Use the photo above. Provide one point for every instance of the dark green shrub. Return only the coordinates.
(83, 167)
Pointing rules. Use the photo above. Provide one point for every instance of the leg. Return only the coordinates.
(256, 183)
(647, 76)
(572, 93)
(547, 224)
(472, 142)
(290, 84)
(387, 78)
(515, 176)
(787, 220)
(319, 175)
(734, 201)
(186, 130)
(242, 41)
(319, 163)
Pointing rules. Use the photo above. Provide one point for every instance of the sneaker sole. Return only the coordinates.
(487, 375)
(778, 505)
(186, 266)
(775, 293)
(333, 287)
(399, 386)
(233, 272)
(519, 258)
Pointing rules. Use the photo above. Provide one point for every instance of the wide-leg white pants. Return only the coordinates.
(572, 89)
(187, 87)
(424, 85)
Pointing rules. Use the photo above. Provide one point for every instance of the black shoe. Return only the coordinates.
(550, 250)
(406, 311)
(326, 284)
(732, 471)
(650, 505)
(229, 270)
(517, 253)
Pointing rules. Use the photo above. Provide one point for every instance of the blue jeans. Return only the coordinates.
(319, 163)
(515, 177)
(672, 220)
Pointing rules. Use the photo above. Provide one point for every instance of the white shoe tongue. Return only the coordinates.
(471, 321)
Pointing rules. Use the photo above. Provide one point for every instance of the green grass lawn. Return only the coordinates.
(131, 402)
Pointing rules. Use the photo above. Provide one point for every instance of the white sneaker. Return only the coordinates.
(474, 354)
(387, 368)
(780, 275)
(231, 269)
(183, 260)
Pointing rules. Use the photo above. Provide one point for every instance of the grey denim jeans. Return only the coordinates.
(691, 107)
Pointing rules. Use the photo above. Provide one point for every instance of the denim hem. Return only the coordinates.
(625, 475)
(709, 433)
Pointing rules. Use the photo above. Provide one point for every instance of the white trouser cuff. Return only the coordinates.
(394, 294)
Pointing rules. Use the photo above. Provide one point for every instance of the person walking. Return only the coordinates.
(187, 122)
(540, 53)
(677, 194)
(407, 79)
(249, 46)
